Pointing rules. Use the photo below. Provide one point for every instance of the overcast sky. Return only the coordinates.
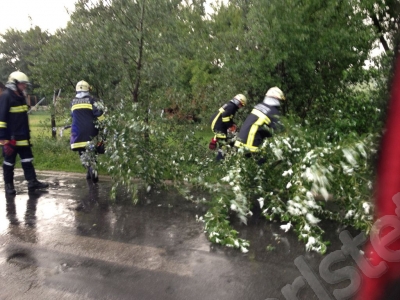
(47, 14)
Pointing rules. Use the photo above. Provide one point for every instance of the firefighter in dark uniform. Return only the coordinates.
(85, 112)
(222, 122)
(263, 118)
(15, 133)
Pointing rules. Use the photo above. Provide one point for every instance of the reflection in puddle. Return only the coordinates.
(132, 246)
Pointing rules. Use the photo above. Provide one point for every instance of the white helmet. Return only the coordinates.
(18, 77)
(82, 86)
(276, 93)
(241, 98)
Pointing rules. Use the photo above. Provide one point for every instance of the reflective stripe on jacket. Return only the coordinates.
(85, 113)
(255, 128)
(223, 119)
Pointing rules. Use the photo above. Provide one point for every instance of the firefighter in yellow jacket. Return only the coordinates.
(263, 118)
(222, 122)
(85, 112)
(15, 133)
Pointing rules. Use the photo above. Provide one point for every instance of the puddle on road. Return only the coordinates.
(161, 219)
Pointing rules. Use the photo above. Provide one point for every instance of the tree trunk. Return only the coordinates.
(135, 93)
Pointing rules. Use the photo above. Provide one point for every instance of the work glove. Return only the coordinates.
(213, 144)
(233, 128)
(9, 147)
(100, 148)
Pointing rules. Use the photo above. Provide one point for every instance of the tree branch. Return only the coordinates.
(380, 30)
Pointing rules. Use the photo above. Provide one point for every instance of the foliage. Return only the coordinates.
(154, 150)
(300, 184)
(310, 47)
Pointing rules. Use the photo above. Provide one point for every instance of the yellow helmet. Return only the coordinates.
(276, 93)
(18, 77)
(82, 86)
(241, 98)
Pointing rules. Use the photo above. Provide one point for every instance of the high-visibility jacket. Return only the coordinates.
(14, 123)
(223, 119)
(85, 112)
(255, 128)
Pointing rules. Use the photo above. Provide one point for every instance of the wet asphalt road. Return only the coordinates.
(52, 249)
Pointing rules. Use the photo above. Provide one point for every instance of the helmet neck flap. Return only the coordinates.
(271, 101)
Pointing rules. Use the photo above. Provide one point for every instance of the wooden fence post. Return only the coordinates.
(53, 115)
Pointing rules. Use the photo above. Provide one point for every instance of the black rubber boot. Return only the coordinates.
(10, 190)
(35, 184)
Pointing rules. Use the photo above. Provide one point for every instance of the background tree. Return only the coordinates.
(312, 50)
(18, 51)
